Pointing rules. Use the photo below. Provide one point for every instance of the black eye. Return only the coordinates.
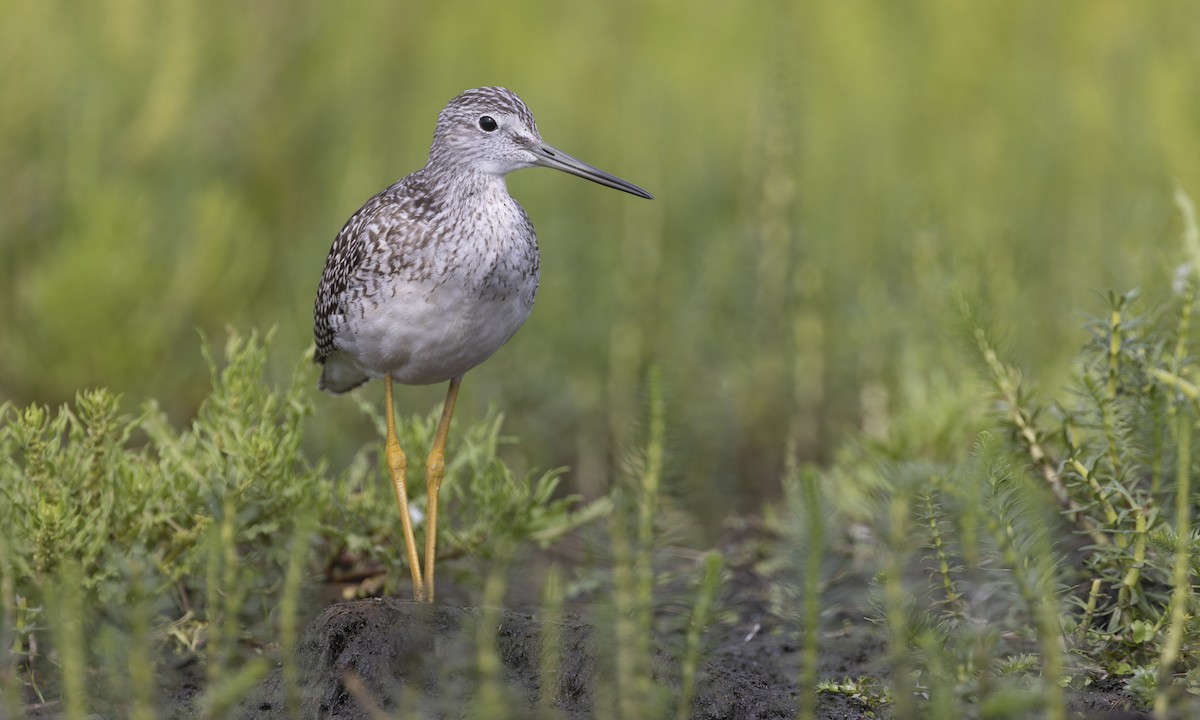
(487, 123)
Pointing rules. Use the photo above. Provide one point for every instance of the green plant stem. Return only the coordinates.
(10, 692)
(1181, 590)
(1008, 381)
(66, 620)
(939, 548)
(1033, 575)
(141, 664)
(897, 608)
(815, 518)
(289, 613)
(1089, 610)
(648, 501)
(552, 612)
(1051, 644)
(631, 673)
(1133, 575)
(214, 644)
(489, 703)
(1109, 406)
(701, 614)
(1110, 512)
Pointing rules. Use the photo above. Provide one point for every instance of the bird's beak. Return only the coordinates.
(547, 156)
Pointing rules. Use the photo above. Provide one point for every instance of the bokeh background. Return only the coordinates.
(830, 175)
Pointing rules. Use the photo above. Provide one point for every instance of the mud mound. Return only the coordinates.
(405, 655)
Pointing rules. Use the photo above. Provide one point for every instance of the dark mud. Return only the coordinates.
(403, 659)
(396, 655)
(400, 656)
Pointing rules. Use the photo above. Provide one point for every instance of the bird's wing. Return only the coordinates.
(345, 258)
(394, 219)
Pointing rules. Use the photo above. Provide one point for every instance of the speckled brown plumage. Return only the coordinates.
(435, 273)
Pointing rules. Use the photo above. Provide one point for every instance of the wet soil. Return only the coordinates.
(394, 655)
(366, 658)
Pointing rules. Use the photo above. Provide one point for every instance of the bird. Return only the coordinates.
(434, 274)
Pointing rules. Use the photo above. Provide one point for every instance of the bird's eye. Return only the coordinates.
(487, 123)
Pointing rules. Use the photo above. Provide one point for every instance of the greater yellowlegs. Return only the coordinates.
(435, 273)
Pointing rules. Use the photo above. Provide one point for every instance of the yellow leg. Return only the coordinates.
(397, 466)
(435, 469)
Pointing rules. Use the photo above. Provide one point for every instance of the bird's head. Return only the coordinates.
(490, 130)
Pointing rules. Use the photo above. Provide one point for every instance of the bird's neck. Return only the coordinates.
(467, 184)
(471, 200)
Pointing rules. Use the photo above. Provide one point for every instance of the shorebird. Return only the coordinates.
(435, 273)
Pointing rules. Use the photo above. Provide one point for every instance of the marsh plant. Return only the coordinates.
(123, 535)
(1051, 550)
(1116, 460)
(1033, 548)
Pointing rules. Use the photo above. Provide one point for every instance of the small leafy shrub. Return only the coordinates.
(199, 537)
(1060, 550)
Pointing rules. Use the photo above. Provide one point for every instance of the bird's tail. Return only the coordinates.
(341, 374)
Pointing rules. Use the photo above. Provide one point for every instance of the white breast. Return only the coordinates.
(428, 334)
(478, 290)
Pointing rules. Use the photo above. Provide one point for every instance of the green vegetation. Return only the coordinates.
(203, 539)
(1054, 550)
(875, 226)
(827, 173)
(1058, 551)
(80, 486)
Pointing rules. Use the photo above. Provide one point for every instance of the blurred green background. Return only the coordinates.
(828, 175)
